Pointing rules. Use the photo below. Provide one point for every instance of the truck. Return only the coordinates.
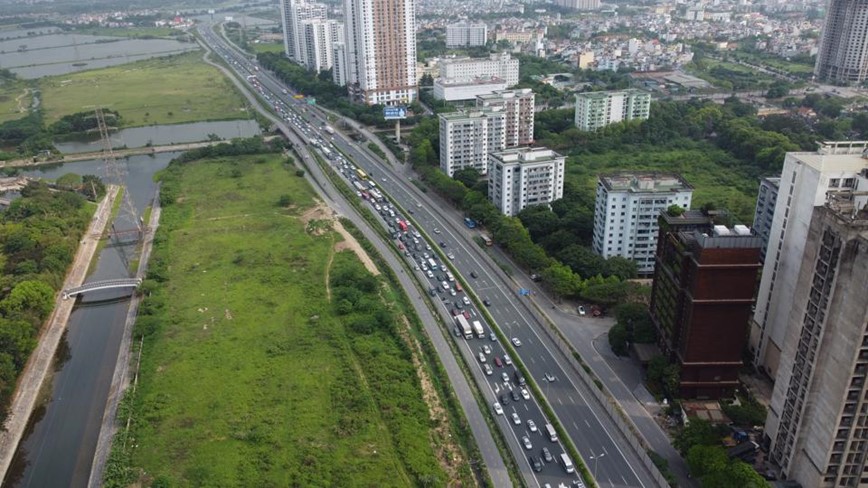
(327, 151)
(553, 435)
(402, 225)
(329, 130)
(477, 326)
(465, 326)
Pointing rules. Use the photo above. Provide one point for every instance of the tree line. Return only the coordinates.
(29, 134)
(39, 234)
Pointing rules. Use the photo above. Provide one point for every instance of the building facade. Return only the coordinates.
(317, 43)
(763, 215)
(843, 53)
(466, 88)
(817, 425)
(806, 180)
(380, 43)
(599, 109)
(518, 107)
(293, 13)
(339, 63)
(466, 35)
(466, 139)
(499, 65)
(524, 176)
(579, 4)
(704, 283)
(626, 210)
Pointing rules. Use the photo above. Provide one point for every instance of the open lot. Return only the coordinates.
(251, 375)
(168, 90)
(15, 99)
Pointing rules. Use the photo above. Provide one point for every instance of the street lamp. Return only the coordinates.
(595, 458)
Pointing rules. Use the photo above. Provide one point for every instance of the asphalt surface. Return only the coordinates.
(491, 457)
(599, 442)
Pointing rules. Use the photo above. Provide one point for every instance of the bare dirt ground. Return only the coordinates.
(313, 218)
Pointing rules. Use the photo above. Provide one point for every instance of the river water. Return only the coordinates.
(58, 448)
(160, 135)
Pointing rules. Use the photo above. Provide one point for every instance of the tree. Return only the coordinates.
(468, 176)
(698, 432)
(427, 80)
(17, 339)
(29, 297)
(618, 339)
(561, 279)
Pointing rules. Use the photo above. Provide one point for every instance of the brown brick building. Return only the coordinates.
(704, 283)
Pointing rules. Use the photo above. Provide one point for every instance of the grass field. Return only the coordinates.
(15, 99)
(131, 32)
(251, 376)
(168, 90)
(270, 47)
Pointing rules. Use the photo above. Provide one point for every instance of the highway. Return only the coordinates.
(595, 436)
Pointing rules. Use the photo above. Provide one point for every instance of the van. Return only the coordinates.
(553, 435)
(568, 465)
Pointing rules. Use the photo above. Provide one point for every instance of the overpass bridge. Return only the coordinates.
(102, 285)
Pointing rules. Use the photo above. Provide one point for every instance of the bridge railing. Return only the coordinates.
(102, 285)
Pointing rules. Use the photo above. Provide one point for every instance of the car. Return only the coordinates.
(428, 247)
(453, 292)
(549, 377)
(458, 287)
(531, 425)
(527, 444)
(515, 396)
(498, 409)
(493, 337)
(516, 342)
(482, 357)
(451, 256)
(473, 274)
(519, 378)
(486, 349)
(455, 312)
(498, 362)
(465, 300)
(487, 368)
(486, 302)
(547, 455)
(507, 359)
(442, 244)
(458, 304)
(578, 484)
(416, 267)
(516, 419)
(445, 285)
(504, 400)
(535, 463)
(466, 314)
(436, 230)
(525, 394)
(432, 292)
(429, 273)
(505, 377)
(581, 310)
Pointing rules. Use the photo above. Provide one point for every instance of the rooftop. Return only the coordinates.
(645, 182)
(503, 94)
(470, 114)
(480, 80)
(607, 94)
(848, 156)
(522, 155)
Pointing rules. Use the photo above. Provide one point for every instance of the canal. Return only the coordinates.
(59, 444)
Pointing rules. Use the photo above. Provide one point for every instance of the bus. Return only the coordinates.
(487, 240)
(361, 173)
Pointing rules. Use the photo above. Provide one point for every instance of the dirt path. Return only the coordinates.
(320, 218)
(39, 364)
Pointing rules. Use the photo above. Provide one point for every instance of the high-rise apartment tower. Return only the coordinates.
(843, 54)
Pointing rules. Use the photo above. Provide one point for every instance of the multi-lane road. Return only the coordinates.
(597, 439)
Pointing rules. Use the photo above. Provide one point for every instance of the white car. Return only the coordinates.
(452, 292)
(531, 425)
(488, 370)
(451, 256)
(527, 444)
(581, 310)
(466, 300)
(525, 394)
(486, 349)
(436, 230)
(505, 377)
(507, 359)
(498, 409)
(516, 342)
(430, 273)
(445, 285)
(516, 419)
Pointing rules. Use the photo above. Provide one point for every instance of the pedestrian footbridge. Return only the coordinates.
(102, 285)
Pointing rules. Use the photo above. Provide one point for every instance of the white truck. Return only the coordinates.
(329, 130)
(465, 326)
(477, 326)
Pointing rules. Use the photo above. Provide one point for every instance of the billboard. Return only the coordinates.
(394, 113)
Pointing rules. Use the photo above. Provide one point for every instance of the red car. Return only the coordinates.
(466, 315)
(455, 312)
(498, 362)
(458, 287)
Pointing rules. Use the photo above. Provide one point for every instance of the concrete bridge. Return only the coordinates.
(102, 285)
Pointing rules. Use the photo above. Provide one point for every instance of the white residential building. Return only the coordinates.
(763, 216)
(500, 65)
(524, 176)
(818, 414)
(806, 181)
(293, 13)
(466, 89)
(843, 52)
(466, 139)
(339, 64)
(466, 35)
(599, 109)
(579, 4)
(626, 211)
(518, 105)
(317, 43)
(381, 51)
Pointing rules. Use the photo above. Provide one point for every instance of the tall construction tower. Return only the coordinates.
(126, 229)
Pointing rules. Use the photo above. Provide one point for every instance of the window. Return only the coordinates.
(834, 182)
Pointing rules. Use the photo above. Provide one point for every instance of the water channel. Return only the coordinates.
(59, 444)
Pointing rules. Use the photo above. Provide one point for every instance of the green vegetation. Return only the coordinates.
(133, 32)
(376, 150)
(700, 442)
(633, 325)
(188, 90)
(267, 47)
(15, 97)
(39, 234)
(298, 383)
(748, 413)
